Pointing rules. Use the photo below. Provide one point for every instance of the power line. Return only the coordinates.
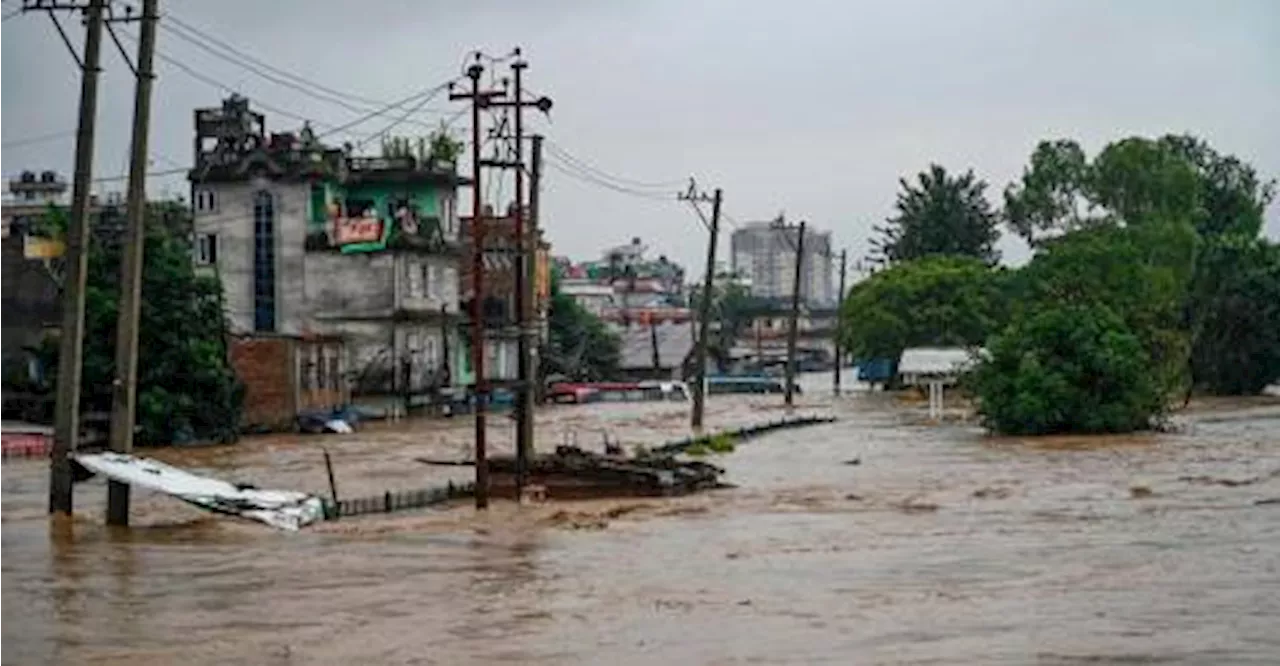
(267, 66)
(39, 139)
(568, 170)
(199, 76)
(284, 78)
(584, 166)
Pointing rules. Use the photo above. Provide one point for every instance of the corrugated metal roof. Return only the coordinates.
(933, 360)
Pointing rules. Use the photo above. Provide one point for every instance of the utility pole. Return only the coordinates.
(844, 257)
(66, 433)
(479, 99)
(792, 331)
(531, 268)
(125, 386)
(704, 308)
(526, 243)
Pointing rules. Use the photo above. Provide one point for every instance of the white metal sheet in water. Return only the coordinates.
(282, 509)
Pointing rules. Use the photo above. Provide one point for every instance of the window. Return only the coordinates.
(207, 249)
(417, 277)
(206, 201)
(449, 214)
(425, 277)
(335, 370)
(264, 262)
(322, 369)
(429, 353)
(306, 368)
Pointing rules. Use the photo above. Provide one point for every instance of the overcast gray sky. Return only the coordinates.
(808, 106)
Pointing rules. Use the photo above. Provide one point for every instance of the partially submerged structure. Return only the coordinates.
(281, 509)
(934, 369)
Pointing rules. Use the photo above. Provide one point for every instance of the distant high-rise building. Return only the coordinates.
(764, 254)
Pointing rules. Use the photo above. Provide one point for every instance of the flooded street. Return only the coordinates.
(942, 546)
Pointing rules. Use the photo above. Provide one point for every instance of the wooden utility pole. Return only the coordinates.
(704, 308)
(479, 99)
(835, 378)
(525, 261)
(793, 330)
(125, 386)
(66, 432)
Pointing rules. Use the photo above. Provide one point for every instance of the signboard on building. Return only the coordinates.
(365, 233)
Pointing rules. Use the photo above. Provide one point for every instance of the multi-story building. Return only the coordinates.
(625, 288)
(763, 254)
(501, 327)
(310, 240)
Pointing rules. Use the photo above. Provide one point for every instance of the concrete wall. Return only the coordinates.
(231, 220)
(427, 283)
(348, 286)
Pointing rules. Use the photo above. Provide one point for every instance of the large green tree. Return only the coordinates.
(1235, 309)
(939, 215)
(1140, 274)
(1163, 185)
(1067, 368)
(186, 387)
(579, 345)
(935, 301)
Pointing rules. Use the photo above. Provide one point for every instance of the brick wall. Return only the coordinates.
(266, 366)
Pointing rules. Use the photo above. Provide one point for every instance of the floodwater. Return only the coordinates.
(941, 546)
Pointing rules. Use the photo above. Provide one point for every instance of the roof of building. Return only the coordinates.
(934, 360)
(675, 342)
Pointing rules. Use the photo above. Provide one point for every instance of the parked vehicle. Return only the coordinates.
(584, 392)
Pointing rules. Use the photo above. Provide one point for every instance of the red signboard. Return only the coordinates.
(352, 230)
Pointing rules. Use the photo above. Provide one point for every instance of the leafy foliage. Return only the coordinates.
(186, 387)
(1138, 273)
(1237, 316)
(942, 215)
(579, 345)
(1067, 368)
(935, 301)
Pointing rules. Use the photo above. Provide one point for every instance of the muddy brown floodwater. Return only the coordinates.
(941, 546)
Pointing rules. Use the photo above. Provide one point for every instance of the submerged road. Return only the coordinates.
(942, 546)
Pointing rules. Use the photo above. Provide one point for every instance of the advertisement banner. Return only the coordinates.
(365, 233)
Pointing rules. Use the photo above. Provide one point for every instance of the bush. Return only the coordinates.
(1073, 368)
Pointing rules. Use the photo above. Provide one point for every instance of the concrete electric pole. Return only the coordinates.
(124, 388)
(479, 99)
(835, 378)
(793, 330)
(525, 261)
(66, 432)
(704, 307)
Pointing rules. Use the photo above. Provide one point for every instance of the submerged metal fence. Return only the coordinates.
(396, 500)
(746, 432)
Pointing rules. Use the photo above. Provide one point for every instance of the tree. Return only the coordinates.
(733, 309)
(1135, 181)
(579, 345)
(1236, 348)
(186, 387)
(1139, 274)
(939, 215)
(1164, 185)
(1067, 368)
(936, 301)
(1051, 193)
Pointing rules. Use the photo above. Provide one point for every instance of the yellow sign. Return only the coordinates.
(36, 247)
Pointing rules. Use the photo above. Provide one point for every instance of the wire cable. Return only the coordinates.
(584, 166)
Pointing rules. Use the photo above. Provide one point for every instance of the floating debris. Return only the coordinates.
(281, 509)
